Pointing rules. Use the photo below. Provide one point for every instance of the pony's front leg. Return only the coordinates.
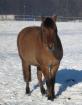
(39, 76)
(53, 72)
(47, 76)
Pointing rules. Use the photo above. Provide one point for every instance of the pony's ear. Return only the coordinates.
(54, 18)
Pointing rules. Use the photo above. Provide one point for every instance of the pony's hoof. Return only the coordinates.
(43, 91)
(28, 91)
(51, 97)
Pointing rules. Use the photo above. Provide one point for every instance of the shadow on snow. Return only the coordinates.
(67, 78)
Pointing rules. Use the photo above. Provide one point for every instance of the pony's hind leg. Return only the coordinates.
(27, 75)
(39, 76)
(29, 79)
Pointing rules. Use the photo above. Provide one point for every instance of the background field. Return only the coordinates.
(69, 76)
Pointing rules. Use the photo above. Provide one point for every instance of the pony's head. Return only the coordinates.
(49, 30)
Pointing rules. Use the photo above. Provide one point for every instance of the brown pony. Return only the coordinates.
(42, 47)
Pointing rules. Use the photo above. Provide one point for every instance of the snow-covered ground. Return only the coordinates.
(69, 76)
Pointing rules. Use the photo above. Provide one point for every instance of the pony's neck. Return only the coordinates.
(58, 50)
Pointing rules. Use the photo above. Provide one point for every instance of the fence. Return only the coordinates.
(35, 18)
(7, 17)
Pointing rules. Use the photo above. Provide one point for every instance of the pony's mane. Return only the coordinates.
(48, 22)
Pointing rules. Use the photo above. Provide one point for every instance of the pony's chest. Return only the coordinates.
(47, 57)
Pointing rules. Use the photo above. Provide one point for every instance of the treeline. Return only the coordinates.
(66, 8)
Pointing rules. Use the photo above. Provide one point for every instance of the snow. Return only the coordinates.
(68, 85)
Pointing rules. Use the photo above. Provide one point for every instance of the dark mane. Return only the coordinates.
(48, 22)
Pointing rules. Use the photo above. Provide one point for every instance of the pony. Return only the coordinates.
(41, 46)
